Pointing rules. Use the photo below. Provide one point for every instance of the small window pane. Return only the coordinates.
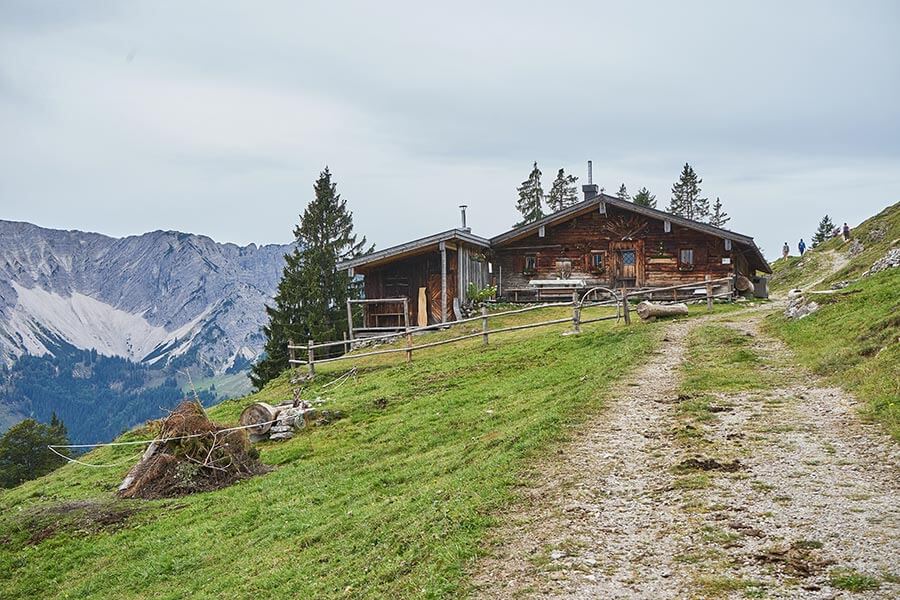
(530, 263)
(687, 256)
(597, 261)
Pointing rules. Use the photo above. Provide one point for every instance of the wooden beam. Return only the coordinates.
(443, 248)
(350, 318)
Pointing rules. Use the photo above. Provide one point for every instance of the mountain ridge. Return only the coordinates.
(163, 290)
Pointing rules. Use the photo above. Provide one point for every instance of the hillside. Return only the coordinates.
(854, 338)
(693, 452)
(161, 302)
(392, 500)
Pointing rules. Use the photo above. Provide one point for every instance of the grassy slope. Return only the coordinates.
(854, 339)
(389, 501)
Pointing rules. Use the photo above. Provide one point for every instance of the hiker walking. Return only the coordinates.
(801, 246)
(846, 231)
(785, 250)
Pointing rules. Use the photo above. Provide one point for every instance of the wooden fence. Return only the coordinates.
(621, 300)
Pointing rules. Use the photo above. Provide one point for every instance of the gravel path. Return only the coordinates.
(801, 491)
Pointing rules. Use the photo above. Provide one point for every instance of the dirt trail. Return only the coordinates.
(813, 489)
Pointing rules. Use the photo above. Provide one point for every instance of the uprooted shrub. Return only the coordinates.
(194, 455)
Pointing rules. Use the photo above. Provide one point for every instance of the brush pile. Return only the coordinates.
(193, 454)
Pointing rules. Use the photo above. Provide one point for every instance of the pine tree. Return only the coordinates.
(562, 192)
(24, 454)
(312, 294)
(719, 217)
(531, 195)
(686, 201)
(826, 227)
(645, 198)
(623, 193)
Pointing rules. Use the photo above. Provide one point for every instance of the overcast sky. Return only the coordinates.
(216, 117)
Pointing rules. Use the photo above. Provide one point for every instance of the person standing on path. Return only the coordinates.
(846, 232)
(801, 246)
(785, 250)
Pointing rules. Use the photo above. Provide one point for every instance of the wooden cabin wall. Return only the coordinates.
(577, 239)
(473, 268)
(403, 278)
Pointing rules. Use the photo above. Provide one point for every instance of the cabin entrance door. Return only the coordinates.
(628, 257)
(433, 293)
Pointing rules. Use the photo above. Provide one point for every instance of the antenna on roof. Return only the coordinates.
(590, 173)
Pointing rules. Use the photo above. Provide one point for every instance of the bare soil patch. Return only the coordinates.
(82, 517)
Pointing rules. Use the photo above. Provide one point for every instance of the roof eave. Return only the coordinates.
(451, 234)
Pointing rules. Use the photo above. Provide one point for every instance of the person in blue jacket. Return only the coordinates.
(801, 246)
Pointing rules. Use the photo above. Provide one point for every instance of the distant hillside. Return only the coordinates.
(854, 336)
(835, 260)
(98, 397)
(163, 301)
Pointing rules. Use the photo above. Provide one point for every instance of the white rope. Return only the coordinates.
(84, 464)
(53, 447)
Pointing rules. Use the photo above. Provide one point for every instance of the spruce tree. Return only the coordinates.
(312, 294)
(531, 195)
(823, 233)
(686, 201)
(645, 198)
(623, 193)
(562, 192)
(24, 454)
(719, 217)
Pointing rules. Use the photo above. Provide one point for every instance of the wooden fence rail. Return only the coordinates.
(618, 299)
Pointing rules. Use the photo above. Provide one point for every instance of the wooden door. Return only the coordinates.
(628, 258)
(627, 263)
(433, 291)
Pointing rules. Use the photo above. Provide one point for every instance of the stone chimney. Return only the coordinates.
(590, 189)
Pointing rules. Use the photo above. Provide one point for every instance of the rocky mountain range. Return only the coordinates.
(164, 300)
(160, 297)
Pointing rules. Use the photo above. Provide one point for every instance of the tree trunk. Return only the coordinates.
(743, 284)
(649, 311)
(259, 413)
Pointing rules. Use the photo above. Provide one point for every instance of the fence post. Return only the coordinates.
(405, 314)
(576, 313)
(311, 353)
(346, 345)
(408, 347)
(625, 308)
(350, 319)
(484, 324)
(291, 355)
(709, 298)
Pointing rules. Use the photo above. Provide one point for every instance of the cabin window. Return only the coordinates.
(541, 231)
(686, 258)
(597, 260)
(728, 245)
(667, 226)
(530, 263)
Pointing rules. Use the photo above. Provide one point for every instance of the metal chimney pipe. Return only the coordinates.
(462, 210)
(590, 172)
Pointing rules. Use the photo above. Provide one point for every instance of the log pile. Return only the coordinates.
(282, 421)
(648, 311)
